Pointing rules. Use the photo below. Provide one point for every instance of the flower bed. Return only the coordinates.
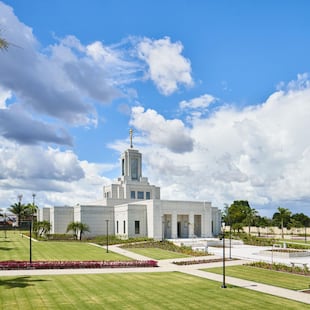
(200, 261)
(11, 265)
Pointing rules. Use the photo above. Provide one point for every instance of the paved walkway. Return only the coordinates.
(168, 266)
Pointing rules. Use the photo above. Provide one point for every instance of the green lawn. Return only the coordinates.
(131, 291)
(276, 278)
(156, 253)
(16, 247)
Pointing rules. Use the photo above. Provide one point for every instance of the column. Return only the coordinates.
(191, 225)
(174, 226)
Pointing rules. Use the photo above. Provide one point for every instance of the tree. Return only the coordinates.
(282, 218)
(73, 226)
(19, 210)
(301, 219)
(30, 209)
(78, 229)
(83, 228)
(42, 228)
(263, 221)
(250, 216)
(236, 214)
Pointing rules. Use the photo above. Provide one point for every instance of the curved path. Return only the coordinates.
(168, 266)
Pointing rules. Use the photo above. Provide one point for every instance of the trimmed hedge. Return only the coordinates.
(200, 261)
(280, 267)
(13, 265)
(166, 245)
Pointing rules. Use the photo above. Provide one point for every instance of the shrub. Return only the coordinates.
(281, 267)
(166, 245)
(12, 265)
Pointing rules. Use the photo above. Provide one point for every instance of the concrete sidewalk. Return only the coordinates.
(168, 266)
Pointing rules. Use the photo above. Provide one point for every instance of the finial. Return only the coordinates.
(130, 136)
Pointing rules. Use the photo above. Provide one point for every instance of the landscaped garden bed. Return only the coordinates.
(17, 265)
(200, 261)
(166, 245)
(303, 270)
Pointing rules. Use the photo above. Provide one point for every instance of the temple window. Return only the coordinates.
(140, 195)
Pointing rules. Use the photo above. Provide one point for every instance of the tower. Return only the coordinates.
(131, 163)
(130, 185)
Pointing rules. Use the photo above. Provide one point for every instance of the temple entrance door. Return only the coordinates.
(167, 219)
(179, 229)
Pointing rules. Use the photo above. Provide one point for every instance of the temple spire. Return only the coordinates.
(130, 136)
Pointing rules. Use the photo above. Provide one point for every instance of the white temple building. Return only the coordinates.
(131, 207)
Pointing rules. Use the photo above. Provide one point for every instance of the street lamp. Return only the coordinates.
(30, 228)
(20, 197)
(223, 235)
(4, 224)
(107, 221)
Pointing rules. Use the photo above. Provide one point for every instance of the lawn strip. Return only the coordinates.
(16, 247)
(270, 277)
(137, 291)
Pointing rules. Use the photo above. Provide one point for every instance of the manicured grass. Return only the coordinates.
(131, 291)
(16, 247)
(156, 253)
(271, 277)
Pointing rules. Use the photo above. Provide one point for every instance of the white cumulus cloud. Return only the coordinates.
(167, 67)
(171, 134)
(260, 153)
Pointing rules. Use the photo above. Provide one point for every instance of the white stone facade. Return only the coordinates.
(131, 207)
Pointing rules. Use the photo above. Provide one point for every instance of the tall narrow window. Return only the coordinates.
(117, 227)
(124, 228)
(134, 168)
(133, 195)
(147, 195)
(137, 227)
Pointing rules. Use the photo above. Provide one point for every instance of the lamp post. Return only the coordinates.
(230, 241)
(223, 231)
(20, 197)
(30, 228)
(4, 224)
(107, 221)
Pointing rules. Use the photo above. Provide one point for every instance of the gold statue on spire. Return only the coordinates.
(130, 136)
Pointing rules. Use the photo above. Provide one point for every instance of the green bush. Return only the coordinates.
(281, 267)
(166, 245)
(253, 240)
(102, 240)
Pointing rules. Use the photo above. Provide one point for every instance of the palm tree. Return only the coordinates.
(19, 210)
(83, 228)
(251, 214)
(73, 226)
(30, 211)
(78, 229)
(42, 228)
(282, 215)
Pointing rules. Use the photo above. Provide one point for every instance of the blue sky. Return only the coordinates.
(217, 93)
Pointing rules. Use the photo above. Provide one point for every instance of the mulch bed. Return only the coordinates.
(22, 265)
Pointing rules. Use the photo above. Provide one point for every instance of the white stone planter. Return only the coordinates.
(285, 254)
